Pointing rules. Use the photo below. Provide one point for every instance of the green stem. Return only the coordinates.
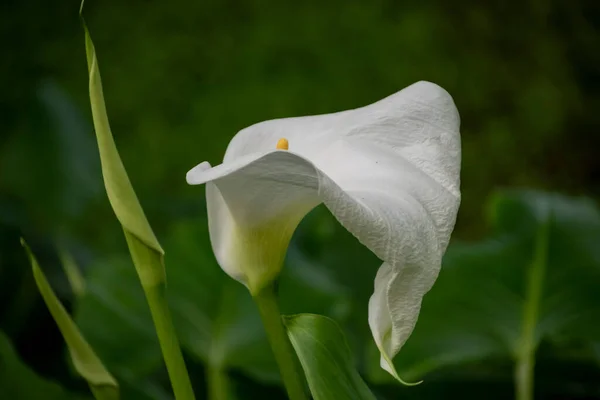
(150, 267)
(280, 343)
(216, 376)
(525, 357)
(218, 384)
(182, 387)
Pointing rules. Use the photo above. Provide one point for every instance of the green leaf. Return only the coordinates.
(216, 320)
(535, 279)
(85, 361)
(115, 318)
(309, 287)
(61, 164)
(326, 359)
(74, 276)
(77, 157)
(133, 371)
(18, 381)
(146, 252)
(120, 193)
(215, 315)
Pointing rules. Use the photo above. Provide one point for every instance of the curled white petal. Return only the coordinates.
(389, 172)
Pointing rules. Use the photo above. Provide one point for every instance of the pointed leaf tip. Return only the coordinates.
(102, 384)
(120, 192)
(89, 48)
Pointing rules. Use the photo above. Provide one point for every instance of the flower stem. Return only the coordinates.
(280, 343)
(525, 356)
(218, 385)
(180, 381)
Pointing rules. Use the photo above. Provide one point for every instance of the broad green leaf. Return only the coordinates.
(216, 319)
(215, 315)
(308, 287)
(115, 318)
(536, 279)
(61, 161)
(18, 381)
(326, 359)
(85, 361)
(77, 156)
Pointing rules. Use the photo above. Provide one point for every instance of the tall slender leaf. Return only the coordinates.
(120, 193)
(146, 252)
(85, 361)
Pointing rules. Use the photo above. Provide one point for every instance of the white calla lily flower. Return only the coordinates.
(389, 173)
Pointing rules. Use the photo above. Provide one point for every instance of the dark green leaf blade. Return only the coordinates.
(85, 361)
(216, 319)
(114, 317)
(215, 316)
(17, 381)
(326, 359)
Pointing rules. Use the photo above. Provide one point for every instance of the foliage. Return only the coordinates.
(182, 78)
(326, 358)
(19, 381)
(533, 281)
(86, 362)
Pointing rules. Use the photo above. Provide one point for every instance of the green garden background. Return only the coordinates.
(182, 77)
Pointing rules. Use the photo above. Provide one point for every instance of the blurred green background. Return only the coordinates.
(181, 78)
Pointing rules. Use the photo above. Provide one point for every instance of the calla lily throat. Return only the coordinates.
(260, 250)
(253, 252)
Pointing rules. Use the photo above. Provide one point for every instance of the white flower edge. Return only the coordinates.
(389, 173)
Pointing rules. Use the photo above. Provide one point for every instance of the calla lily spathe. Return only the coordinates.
(389, 173)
